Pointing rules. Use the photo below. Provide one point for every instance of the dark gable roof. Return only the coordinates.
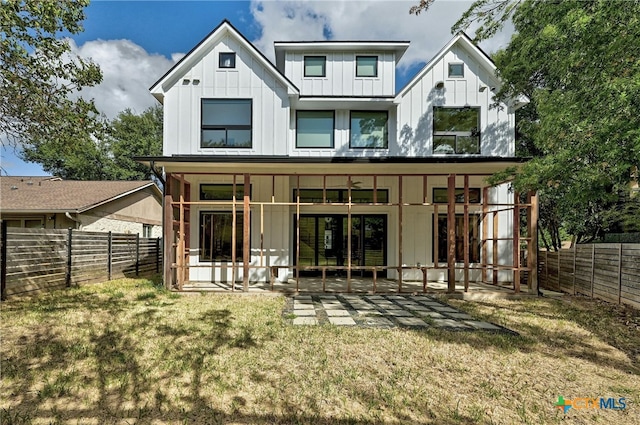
(18, 194)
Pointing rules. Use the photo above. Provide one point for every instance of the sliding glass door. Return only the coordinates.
(324, 240)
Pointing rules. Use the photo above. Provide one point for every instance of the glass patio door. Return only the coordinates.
(324, 241)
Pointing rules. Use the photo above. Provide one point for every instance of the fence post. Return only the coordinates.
(620, 274)
(109, 255)
(3, 260)
(157, 255)
(69, 242)
(593, 266)
(559, 269)
(137, 254)
(574, 267)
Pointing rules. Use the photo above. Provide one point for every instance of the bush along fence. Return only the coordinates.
(610, 272)
(34, 260)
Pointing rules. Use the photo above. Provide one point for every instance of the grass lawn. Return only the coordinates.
(127, 352)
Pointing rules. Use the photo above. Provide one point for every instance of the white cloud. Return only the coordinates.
(365, 20)
(127, 73)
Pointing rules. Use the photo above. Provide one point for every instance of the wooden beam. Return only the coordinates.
(400, 256)
(246, 225)
(451, 233)
(466, 233)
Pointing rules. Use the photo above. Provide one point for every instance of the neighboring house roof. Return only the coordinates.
(202, 48)
(52, 194)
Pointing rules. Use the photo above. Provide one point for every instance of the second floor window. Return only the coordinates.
(315, 66)
(366, 66)
(226, 123)
(456, 130)
(314, 129)
(369, 129)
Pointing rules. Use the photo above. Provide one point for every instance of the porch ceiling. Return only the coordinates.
(336, 165)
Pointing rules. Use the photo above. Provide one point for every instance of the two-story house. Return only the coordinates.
(318, 165)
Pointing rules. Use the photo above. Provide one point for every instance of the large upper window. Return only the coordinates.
(226, 123)
(315, 66)
(369, 129)
(314, 129)
(474, 241)
(366, 66)
(456, 130)
(216, 236)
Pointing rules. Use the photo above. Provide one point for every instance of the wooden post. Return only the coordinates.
(246, 225)
(3, 260)
(485, 232)
(593, 266)
(436, 237)
(69, 243)
(137, 254)
(574, 268)
(168, 232)
(533, 242)
(559, 254)
(109, 255)
(400, 259)
(516, 242)
(349, 235)
(495, 248)
(181, 234)
(234, 236)
(297, 269)
(375, 189)
(262, 236)
(451, 233)
(466, 233)
(158, 255)
(620, 274)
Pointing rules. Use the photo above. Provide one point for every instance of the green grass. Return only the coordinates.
(129, 351)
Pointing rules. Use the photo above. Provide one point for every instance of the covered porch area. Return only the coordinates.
(403, 226)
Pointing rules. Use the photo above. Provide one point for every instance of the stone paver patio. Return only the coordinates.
(383, 311)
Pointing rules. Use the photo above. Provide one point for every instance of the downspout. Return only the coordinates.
(73, 219)
(155, 172)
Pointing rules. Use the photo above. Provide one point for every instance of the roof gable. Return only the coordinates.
(171, 77)
(47, 194)
(463, 41)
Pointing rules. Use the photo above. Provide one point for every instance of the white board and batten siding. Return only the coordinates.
(250, 79)
(416, 102)
(340, 79)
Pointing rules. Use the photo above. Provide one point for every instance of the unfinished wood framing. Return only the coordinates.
(178, 206)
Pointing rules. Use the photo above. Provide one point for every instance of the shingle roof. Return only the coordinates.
(49, 194)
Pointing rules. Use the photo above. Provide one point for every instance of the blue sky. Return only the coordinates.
(136, 42)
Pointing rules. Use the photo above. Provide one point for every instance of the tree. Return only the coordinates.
(133, 135)
(579, 64)
(39, 77)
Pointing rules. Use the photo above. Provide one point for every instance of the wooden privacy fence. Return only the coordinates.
(35, 260)
(610, 272)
